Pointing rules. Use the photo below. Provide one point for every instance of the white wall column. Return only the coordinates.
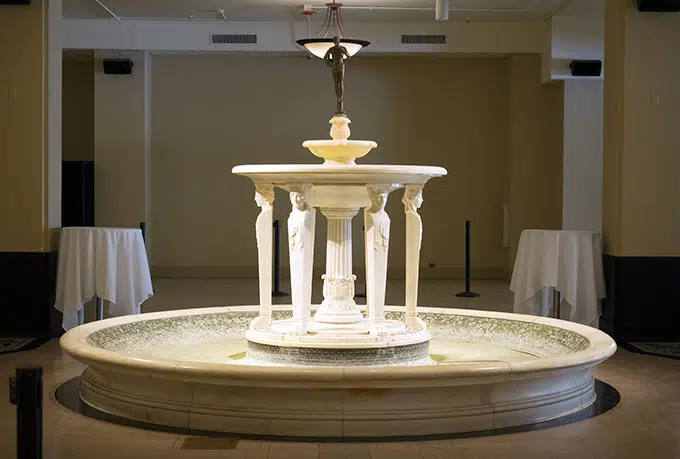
(122, 147)
(582, 160)
(54, 123)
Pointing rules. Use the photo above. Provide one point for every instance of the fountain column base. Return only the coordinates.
(338, 306)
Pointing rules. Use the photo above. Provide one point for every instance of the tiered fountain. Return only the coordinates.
(334, 370)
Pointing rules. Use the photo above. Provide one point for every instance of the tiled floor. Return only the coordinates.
(645, 425)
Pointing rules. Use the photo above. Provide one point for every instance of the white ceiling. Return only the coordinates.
(354, 10)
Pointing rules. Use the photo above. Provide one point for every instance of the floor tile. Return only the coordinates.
(285, 450)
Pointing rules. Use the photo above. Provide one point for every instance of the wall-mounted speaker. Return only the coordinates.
(659, 6)
(117, 66)
(15, 2)
(586, 68)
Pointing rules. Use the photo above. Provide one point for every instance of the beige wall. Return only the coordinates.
(535, 157)
(29, 172)
(210, 113)
(641, 153)
(78, 107)
(121, 144)
(582, 177)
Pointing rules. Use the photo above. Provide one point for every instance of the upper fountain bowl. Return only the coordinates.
(339, 150)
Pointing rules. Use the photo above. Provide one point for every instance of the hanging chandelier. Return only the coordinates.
(332, 27)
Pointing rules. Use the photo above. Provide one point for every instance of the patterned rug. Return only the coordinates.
(668, 350)
(9, 345)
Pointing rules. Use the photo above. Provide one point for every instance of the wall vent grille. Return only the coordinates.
(233, 39)
(423, 39)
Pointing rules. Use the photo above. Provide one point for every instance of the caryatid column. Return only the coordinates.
(301, 250)
(413, 199)
(264, 197)
(338, 306)
(377, 239)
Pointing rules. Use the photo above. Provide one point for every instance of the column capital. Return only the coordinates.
(413, 198)
(339, 213)
(264, 194)
(377, 193)
(299, 196)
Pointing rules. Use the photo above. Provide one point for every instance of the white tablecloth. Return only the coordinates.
(109, 263)
(569, 261)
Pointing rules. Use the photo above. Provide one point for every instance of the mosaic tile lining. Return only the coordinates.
(535, 339)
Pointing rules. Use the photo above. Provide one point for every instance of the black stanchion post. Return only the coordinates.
(277, 261)
(467, 293)
(25, 391)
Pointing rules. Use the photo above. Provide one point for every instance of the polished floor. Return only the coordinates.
(645, 425)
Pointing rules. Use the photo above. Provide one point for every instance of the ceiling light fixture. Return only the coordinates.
(332, 27)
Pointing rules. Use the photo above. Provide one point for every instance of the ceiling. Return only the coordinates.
(353, 10)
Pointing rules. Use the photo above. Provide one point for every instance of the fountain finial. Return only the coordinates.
(340, 128)
(339, 150)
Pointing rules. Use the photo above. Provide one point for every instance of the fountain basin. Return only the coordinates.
(187, 369)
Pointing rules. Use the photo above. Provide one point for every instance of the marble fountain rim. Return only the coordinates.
(376, 169)
(601, 347)
(339, 173)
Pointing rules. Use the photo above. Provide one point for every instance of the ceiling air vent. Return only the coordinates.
(423, 39)
(233, 39)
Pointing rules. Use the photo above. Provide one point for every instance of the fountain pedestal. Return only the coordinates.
(338, 306)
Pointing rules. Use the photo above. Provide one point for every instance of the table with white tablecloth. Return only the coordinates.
(106, 263)
(568, 261)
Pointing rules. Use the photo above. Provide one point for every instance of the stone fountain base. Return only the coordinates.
(187, 369)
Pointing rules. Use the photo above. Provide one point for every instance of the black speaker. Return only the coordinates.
(659, 6)
(587, 68)
(77, 193)
(117, 66)
(15, 2)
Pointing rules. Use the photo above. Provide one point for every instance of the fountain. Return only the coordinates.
(336, 369)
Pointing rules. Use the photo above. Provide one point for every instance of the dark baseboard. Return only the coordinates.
(27, 291)
(643, 298)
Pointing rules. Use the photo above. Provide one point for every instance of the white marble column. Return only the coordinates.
(301, 249)
(413, 199)
(338, 306)
(377, 238)
(264, 197)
